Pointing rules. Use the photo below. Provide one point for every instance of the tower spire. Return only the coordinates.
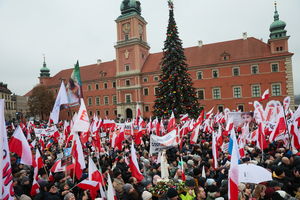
(276, 15)
(277, 28)
(44, 71)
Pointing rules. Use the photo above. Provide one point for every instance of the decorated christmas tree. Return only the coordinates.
(175, 91)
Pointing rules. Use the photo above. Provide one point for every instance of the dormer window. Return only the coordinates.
(225, 56)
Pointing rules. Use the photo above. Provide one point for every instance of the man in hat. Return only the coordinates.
(190, 194)
(172, 194)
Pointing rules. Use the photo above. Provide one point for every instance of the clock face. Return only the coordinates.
(141, 30)
(126, 28)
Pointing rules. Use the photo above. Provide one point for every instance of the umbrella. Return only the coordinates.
(250, 173)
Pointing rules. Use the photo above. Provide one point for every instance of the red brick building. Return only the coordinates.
(226, 74)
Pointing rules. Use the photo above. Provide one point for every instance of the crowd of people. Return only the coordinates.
(192, 174)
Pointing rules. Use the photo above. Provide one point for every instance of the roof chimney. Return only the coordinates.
(200, 43)
(245, 36)
(99, 61)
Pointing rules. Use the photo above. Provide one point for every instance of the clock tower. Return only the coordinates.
(132, 51)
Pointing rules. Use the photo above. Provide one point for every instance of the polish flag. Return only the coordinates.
(200, 119)
(111, 193)
(6, 178)
(94, 173)
(67, 130)
(81, 123)
(265, 95)
(184, 118)
(157, 126)
(38, 159)
(233, 176)
(57, 167)
(183, 177)
(78, 156)
(19, 145)
(210, 113)
(134, 166)
(35, 188)
(172, 123)
(195, 134)
(261, 138)
(280, 127)
(120, 138)
(88, 185)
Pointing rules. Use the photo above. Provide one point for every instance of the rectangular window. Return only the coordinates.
(105, 85)
(146, 91)
(155, 78)
(216, 93)
(89, 87)
(199, 75)
(146, 108)
(106, 100)
(156, 90)
(126, 37)
(128, 98)
(237, 92)
(255, 90)
(114, 84)
(241, 108)
(106, 113)
(215, 73)
(236, 71)
(114, 99)
(127, 82)
(276, 89)
(97, 101)
(127, 68)
(254, 69)
(98, 112)
(90, 101)
(145, 79)
(97, 86)
(275, 67)
(220, 108)
(200, 94)
(116, 112)
(91, 113)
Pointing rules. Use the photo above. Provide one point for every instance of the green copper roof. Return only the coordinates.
(45, 71)
(130, 6)
(277, 27)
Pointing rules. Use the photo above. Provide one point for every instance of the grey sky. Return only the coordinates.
(67, 30)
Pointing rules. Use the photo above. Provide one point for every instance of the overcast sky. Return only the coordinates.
(67, 30)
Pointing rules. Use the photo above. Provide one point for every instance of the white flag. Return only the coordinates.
(61, 99)
(6, 179)
(81, 123)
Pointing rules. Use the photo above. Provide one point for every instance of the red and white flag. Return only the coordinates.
(280, 127)
(78, 156)
(19, 145)
(81, 123)
(210, 113)
(233, 176)
(172, 123)
(35, 188)
(88, 185)
(61, 99)
(214, 150)
(184, 118)
(111, 193)
(134, 166)
(6, 178)
(195, 135)
(265, 95)
(94, 173)
(286, 104)
(39, 159)
(57, 167)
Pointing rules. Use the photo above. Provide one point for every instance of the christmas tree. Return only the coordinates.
(175, 91)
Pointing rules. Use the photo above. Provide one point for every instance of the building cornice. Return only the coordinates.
(132, 41)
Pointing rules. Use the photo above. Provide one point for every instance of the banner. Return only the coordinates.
(74, 90)
(158, 143)
(6, 178)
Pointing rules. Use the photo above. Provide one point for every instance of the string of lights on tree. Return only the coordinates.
(175, 91)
